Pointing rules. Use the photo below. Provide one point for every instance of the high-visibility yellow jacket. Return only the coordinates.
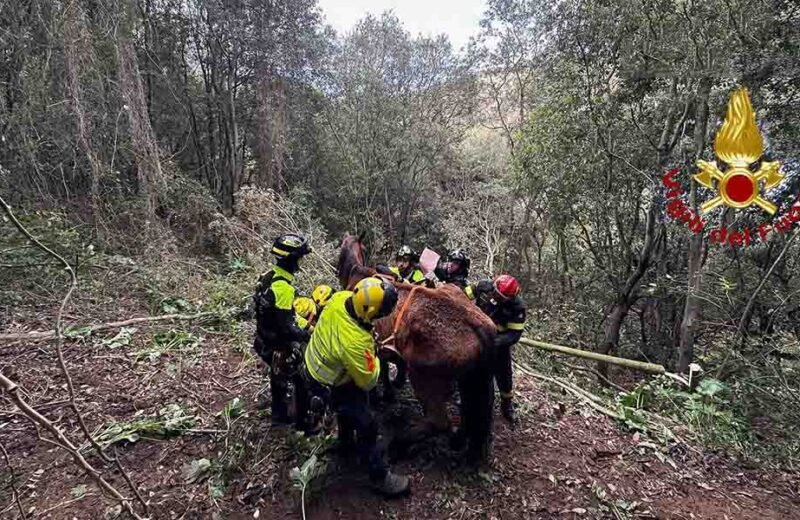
(341, 348)
(415, 277)
(273, 298)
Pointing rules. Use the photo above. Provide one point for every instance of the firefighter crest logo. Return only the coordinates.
(739, 176)
(741, 173)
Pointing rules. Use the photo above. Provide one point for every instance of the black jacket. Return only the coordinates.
(275, 320)
(509, 316)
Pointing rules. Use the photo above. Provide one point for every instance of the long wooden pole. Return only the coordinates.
(628, 363)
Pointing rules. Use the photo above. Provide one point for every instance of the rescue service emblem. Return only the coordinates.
(740, 174)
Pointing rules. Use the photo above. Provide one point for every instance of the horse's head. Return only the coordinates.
(352, 261)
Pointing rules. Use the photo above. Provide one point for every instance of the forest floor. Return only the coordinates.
(221, 458)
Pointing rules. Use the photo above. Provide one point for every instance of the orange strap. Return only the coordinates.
(399, 320)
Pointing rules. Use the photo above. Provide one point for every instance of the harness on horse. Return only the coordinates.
(398, 322)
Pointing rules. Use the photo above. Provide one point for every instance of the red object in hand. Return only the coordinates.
(506, 286)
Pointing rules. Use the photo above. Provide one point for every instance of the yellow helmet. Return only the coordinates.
(305, 307)
(321, 294)
(373, 298)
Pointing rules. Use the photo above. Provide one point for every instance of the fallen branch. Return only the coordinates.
(590, 399)
(596, 374)
(13, 483)
(61, 440)
(131, 485)
(50, 334)
(653, 421)
(35, 416)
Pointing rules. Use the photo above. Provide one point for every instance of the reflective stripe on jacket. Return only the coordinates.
(508, 316)
(341, 349)
(274, 313)
(415, 277)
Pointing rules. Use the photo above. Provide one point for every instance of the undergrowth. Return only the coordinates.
(170, 421)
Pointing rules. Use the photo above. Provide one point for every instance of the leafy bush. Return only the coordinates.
(707, 411)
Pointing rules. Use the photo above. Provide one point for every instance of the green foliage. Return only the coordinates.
(174, 305)
(174, 343)
(78, 331)
(233, 291)
(237, 265)
(234, 408)
(309, 472)
(301, 477)
(707, 411)
(78, 491)
(196, 471)
(172, 420)
(121, 339)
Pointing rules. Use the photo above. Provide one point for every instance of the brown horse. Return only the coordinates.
(444, 340)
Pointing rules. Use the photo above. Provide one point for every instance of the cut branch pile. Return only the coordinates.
(39, 421)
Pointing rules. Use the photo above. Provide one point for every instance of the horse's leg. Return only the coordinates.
(433, 392)
(477, 408)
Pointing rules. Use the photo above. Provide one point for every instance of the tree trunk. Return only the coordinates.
(75, 41)
(231, 175)
(149, 174)
(692, 310)
(270, 143)
(612, 331)
(628, 294)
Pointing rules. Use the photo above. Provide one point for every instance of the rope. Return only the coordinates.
(398, 321)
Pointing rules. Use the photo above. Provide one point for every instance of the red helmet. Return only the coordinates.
(506, 286)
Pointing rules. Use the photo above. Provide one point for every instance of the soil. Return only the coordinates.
(561, 461)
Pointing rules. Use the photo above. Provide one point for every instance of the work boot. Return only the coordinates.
(392, 485)
(507, 410)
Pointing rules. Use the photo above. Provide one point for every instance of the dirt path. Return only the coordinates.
(561, 462)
